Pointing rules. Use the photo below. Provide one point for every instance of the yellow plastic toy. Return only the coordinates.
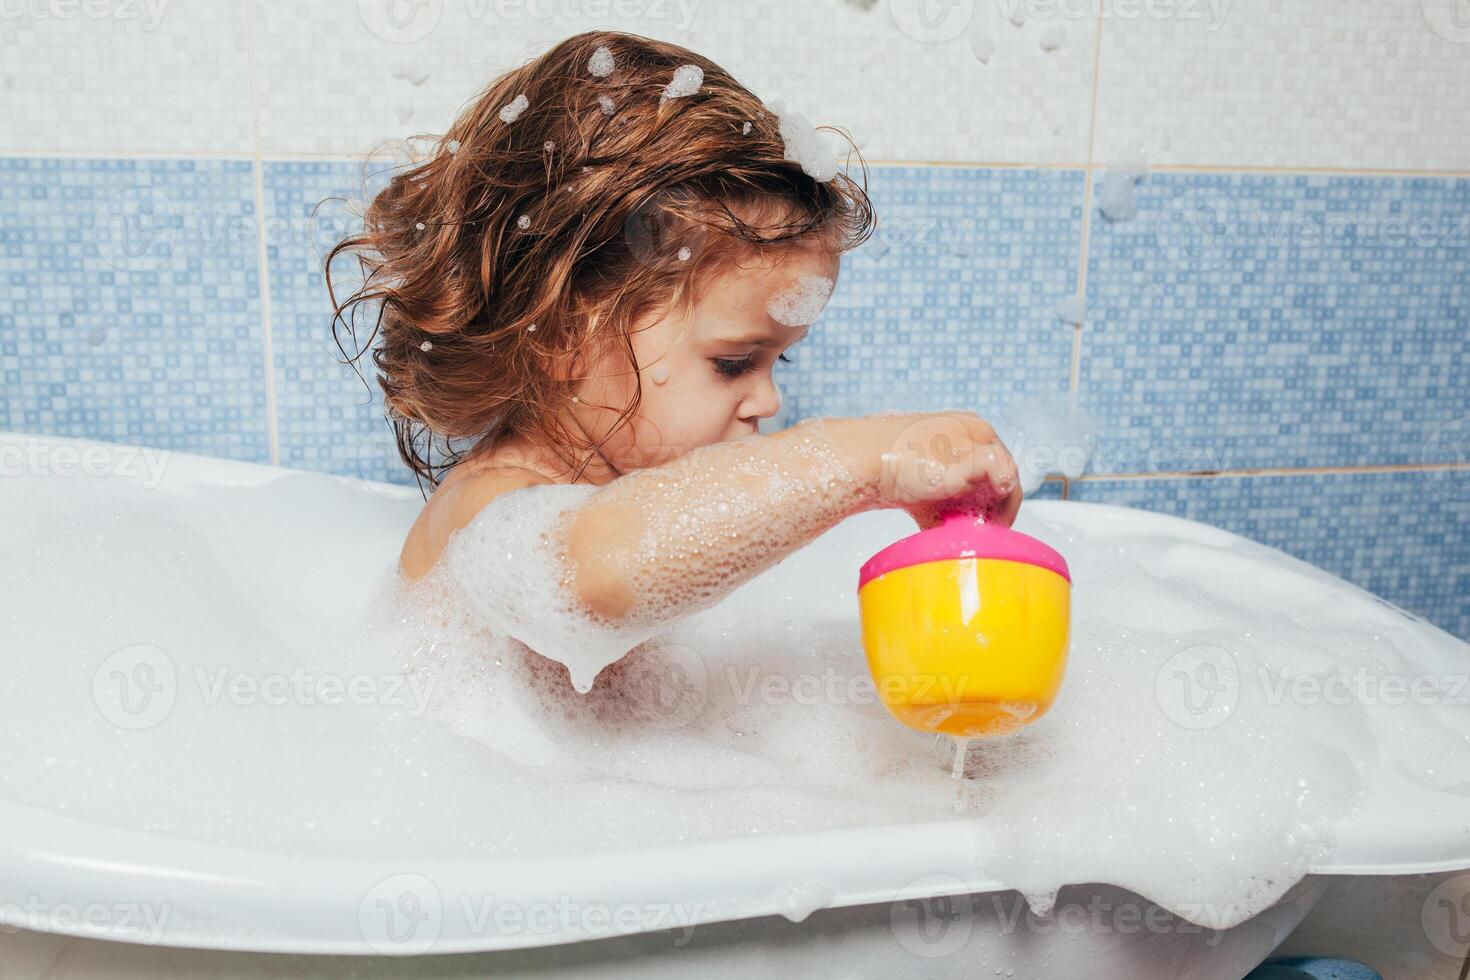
(966, 627)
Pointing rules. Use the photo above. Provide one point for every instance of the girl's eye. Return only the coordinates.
(783, 359)
(733, 367)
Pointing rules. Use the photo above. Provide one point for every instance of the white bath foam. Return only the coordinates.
(802, 302)
(602, 63)
(512, 110)
(687, 80)
(752, 718)
(803, 144)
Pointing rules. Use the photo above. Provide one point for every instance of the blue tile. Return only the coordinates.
(329, 419)
(1245, 321)
(131, 308)
(1049, 490)
(952, 304)
(1402, 536)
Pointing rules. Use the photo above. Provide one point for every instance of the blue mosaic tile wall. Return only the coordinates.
(952, 303)
(329, 420)
(131, 305)
(1244, 321)
(1237, 322)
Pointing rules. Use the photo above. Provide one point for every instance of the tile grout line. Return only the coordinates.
(262, 252)
(1182, 168)
(1074, 373)
(1274, 471)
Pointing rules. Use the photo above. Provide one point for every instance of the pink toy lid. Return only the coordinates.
(963, 536)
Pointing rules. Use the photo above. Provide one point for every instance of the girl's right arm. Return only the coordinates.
(660, 542)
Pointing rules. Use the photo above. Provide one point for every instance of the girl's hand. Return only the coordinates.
(934, 464)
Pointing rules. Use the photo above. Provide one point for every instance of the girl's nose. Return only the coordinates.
(763, 400)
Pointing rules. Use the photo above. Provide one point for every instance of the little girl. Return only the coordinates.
(591, 280)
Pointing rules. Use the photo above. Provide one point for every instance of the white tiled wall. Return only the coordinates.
(331, 82)
(1289, 83)
(1342, 84)
(124, 76)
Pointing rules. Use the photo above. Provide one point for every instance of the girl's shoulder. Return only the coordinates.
(459, 498)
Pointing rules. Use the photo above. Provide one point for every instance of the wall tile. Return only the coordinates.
(1266, 84)
(953, 303)
(114, 77)
(1271, 321)
(336, 78)
(130, 308)
(329, 420)
(1402, 536)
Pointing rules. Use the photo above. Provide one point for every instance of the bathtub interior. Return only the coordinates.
(247, 873)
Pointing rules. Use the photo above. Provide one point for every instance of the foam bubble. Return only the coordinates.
(601, 64)
(801, 303)
(512, 110)
(804, 145)
(686, 81)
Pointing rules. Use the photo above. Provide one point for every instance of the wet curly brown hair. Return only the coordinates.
(523, 240)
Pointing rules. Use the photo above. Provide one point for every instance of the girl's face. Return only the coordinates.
(707, 376)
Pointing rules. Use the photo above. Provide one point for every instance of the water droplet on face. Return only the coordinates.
(659, 375)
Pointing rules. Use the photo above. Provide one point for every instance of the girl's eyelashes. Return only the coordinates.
(733, 367)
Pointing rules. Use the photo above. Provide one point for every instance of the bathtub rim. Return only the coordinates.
(43, 849)
(280, 902)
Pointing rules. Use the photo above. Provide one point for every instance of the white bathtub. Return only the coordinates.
(884, 901)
